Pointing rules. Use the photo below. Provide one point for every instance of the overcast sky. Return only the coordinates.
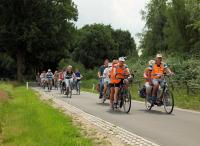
(124, 14)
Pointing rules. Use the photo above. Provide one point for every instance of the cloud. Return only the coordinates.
(121, 14)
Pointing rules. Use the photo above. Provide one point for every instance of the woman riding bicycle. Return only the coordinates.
(69, 77)
(118, 74)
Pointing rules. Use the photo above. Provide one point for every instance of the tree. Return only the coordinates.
(33, 32)
(95, 43)
(153, 38)
(126, 43)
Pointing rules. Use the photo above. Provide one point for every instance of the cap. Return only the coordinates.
(159, 56)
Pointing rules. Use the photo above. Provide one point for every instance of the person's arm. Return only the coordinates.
(168, 70)
(99, 73)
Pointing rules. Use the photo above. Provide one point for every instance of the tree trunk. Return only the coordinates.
(19, 67)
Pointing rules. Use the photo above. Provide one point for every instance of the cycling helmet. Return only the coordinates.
(121, 59)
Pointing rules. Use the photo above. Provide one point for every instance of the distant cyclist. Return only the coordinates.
(78, 79)
(56, 78)
(49, 77)
(61, 77)
(69, 77)
(43, 78)
(100, 76)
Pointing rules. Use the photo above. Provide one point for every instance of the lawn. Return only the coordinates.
(27, 121)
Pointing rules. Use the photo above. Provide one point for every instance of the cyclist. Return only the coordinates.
(69, 77)
(49, 77)
(112, 76)
(78, 79)
(156, 71)
(61, 77)
(120, 71)
(43, 78)
(147, 84)
(106, 78)
(56, 78)
(100, 76)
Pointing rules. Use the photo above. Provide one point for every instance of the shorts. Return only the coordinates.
(116, 84)
(106, 80)
(158, 82)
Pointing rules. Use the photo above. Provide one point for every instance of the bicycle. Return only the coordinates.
(165, 98)
(66, 90)
(124, 96)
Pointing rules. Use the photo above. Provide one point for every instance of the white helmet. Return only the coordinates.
(69, 67)
(121, 59)
(49, 70)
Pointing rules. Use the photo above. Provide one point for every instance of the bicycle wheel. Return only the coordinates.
(168, 101)
(126, 101)
(148, 105)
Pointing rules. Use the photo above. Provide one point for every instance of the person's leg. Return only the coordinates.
(67, 85)
(116, 94)
(105, 88)
(101, 88)
(155, 89)
(71, 81)
(112, 91)
(148, 89)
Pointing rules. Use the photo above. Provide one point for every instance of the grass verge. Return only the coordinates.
(27, 121)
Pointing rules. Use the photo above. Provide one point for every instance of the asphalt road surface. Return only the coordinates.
(181, 128)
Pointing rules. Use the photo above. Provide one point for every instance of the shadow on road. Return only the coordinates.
(118, 112)
(103, 104)
(155, 112)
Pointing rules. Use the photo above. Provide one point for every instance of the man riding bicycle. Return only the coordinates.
(100, 76)
(69, 77)
(155, 73)
(118, 75)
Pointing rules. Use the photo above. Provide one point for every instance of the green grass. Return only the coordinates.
(87, 85)
(27, 121)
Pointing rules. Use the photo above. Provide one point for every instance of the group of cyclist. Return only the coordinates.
(115, 73)
(66, 77)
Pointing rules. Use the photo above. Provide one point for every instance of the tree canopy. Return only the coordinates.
(97, 42)
(36, 32)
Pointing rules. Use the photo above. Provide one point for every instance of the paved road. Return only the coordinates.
(182, 128)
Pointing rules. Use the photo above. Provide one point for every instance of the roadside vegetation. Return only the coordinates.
(27, 121)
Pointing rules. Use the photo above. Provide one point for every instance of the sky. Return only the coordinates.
(120, 14)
